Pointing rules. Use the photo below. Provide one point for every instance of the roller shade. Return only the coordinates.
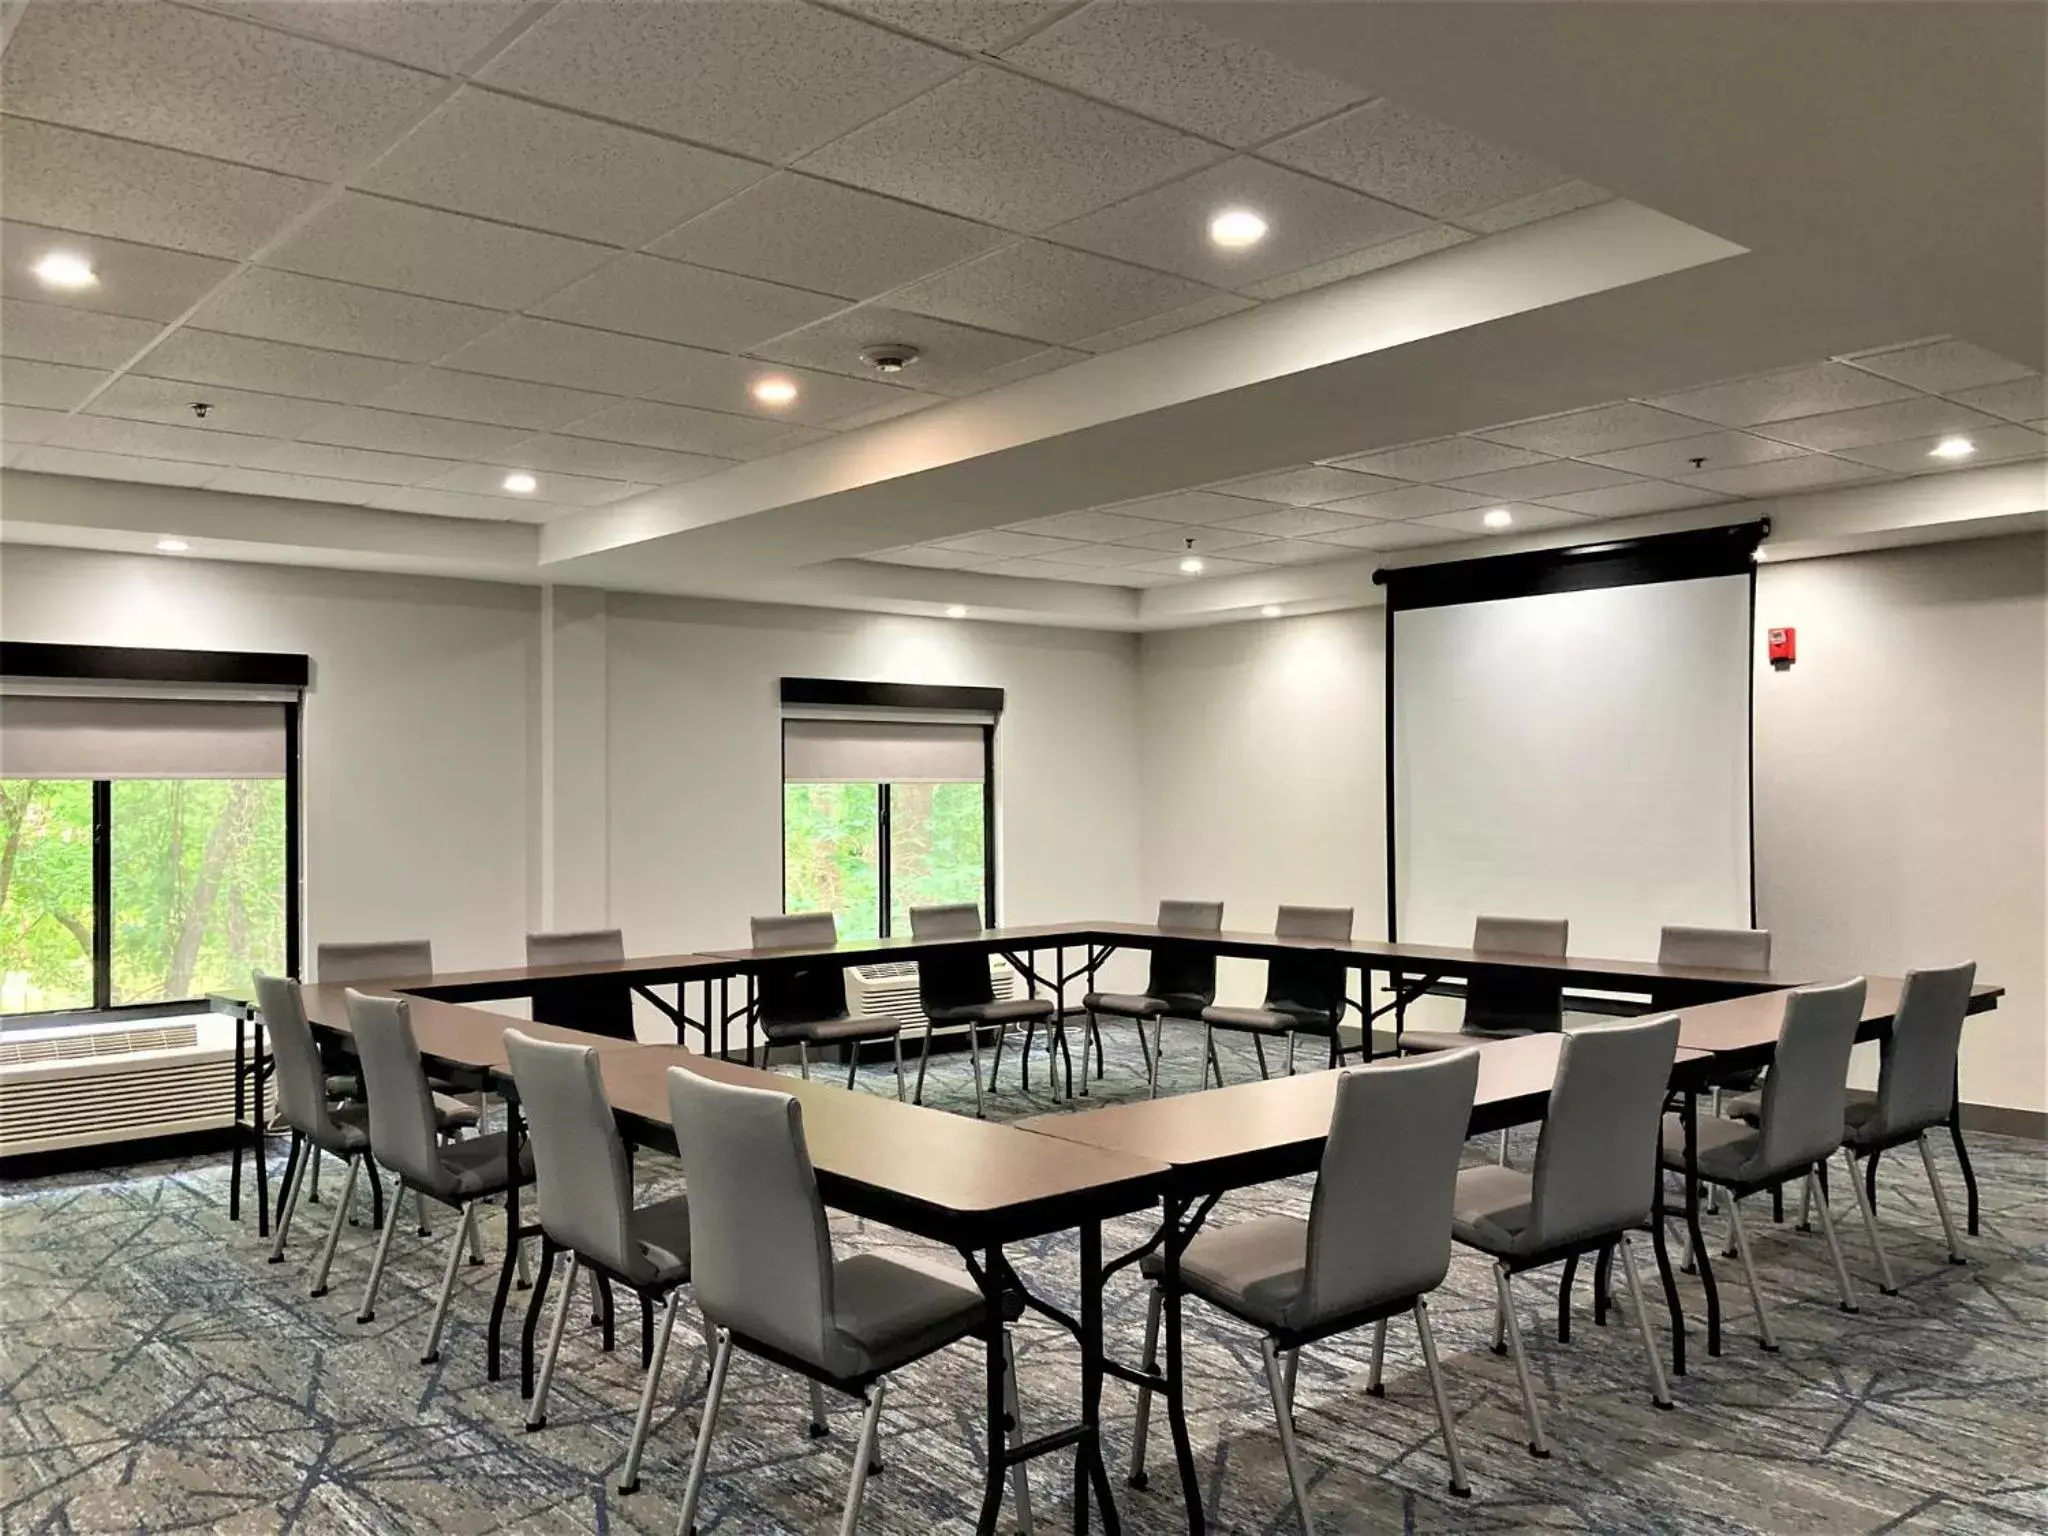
(53, 737)
(881, 751)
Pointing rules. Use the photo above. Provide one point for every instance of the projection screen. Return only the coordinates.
(1582, 754)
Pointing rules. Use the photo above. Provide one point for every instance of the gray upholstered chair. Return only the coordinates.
(587, 1211)
(1181, 983)
(767, 1281)
(1372, 1247)
(1728, 949)
(403, 1139)
(1594, 1185)
(956, 990)
(807, 1007)
(1304, 993)
(1503, 1006)
(597, 1008)
(384, 960)
(1799, 1125)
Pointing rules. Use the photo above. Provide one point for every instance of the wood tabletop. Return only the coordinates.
(513, 980)
(1743, 1026)
(449, 1033)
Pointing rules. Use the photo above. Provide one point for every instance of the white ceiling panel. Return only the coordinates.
(66, 179)
(51, 386)
(560, 490)
(1192, 507)
(827, 238)
(237, 92)
(1129, 576)
(1403, 157)
(114, 466)
(1721, 450)
(1566, 197)
(765, 80)
(1308, 222)
(270, 367)
(928, 556)
(1604, 428)
(170, 401)
(1426, 241)
(413, 498)
(2017, 400)
(1213, 566)
(1526, 518)
(548, 352)
(157, 440)
(27, 424)
(439, 36)
(1106, 556)
(359, 426)
(949, 357)
(1809, 390)
(1389, 536)
(979, 26)
(58, 333)
(677, 427)
(647, 296)
(1445, 458)
(142, 281)
(1994, 445)
(1781, 477)
(1003, 544)
(1632, 500)
(320, 459)
(1161, 61)
(1165, 323)
(1294, 522)
(1046, 360)
(341, 317)
(1195, 539)
(1047, 291)
(1312, 485)
(1009, 151)
(906, 401)
(1555, 479)
(1095, 527)
(1295, 551)
(616, 461)
(481, 397)
(1044, 570)
(266, 482)
(1922, 416)
(1941, 367)
(716, 382)
(1409, 501)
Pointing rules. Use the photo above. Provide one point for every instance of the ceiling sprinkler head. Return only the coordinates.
(889, 356)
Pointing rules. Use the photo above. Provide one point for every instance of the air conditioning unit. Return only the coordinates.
(80, 1085)
(890, 991)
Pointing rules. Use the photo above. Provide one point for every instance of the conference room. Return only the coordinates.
(776, 766)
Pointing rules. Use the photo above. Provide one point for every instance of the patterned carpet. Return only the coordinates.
(157, 1375)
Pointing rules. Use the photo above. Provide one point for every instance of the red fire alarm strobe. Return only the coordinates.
(1784, 645)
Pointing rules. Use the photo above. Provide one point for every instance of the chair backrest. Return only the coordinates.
(1373, 1236)
(1519, 1003)
(799, 996)
(950, 980)
(1596, 1158)
(1304, 983)
(1184, 972)
(402, 1128)
(1728, 949)
(1916, 1083)
(760, 1250)
(301, 1077)
(379, 960)
(599, 1007)
(586, 1186)
(1807, 1089)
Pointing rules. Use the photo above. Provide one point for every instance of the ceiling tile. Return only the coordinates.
(1195, 538)
(265, 482)
(454, 504)
(1526, 518)
(1308, 222)
(342, 317)
(716, 382)
(141, 281)
(1127, 576)
(1410, 501)
(979, 26)
(1165, 323)
(547, 352)
(237, 92)
(1294, 522)
(828, 238)
(170, 401)
(1044, 570)
(765, 80)
(1994, 445)
(27, 424)
(1009, 151)
(1213, 566)
(949, 355)
(1426, 241)
(1805, 391)
(66, 179)
(348, 463)
(646, 296)
(1295, 551)
(1160, 61)
(2016, 400)
(1001, 544)
(58, 333)
(1721, 450)
(678, 427)
(1923, 416)
(1568, 197)
(115, 466)
(1941, 367)
(438, 36)
(615, 461)
(1095, 527)
(270, 367)
(1187, 507)
(562, 490)
(358, 426)
(1598, 430)
(383, 244)
(1445, 458)
(480, 397)
(1631, 500)
(52, 386)
(930, 556)
(1403, 157)
(907, 402)
(1781, 476)
(1046, 291)
(1555, 479)
(1312, 485)
(157, 440)
(1105, 556)
(1047, 360)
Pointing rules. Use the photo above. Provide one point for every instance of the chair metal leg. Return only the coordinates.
(1209, 1062)
(1293, 1364)
(313, 1184)
(803, 1059)
(1639, 1303)
(1948, 1221)
(462, 1229)
(1258, 1050)
(369, 1307)
(1806, 1205)
(974, 1050)
(1538, 1446)
(870, 1429)
(1282, 1416)
(1827, 1227)
(290, 1203)
(897, 1041)
(819, 1426)
(1290, 1053)
(1886, 1283)
(1148, 1363)
(1013, 1408)
(995, 1061)
(537, 1410)
(519, 1252)
(341, 1210)
(629, 1475)
(721, 1359)
(1158, 1046)
(1374, 1387)
(852, 1063)
(476, 1238)
(1444, 1420)
(1503, 1149)
(420, 1203)
(1765, 1337)
(924, 1057)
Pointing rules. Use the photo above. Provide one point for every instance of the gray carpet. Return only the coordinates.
(157, 1375)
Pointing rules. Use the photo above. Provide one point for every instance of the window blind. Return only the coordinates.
(87, 737)
(881, 751)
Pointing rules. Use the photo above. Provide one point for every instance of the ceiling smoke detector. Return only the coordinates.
(889, 356)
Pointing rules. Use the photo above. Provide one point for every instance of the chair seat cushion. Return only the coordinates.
(1012, 1010)
(1438, 1039)
(1492, 1208)
(1261, 1021)
(476, 1166)
(1730, 1151)
(661, 1237)
(453, 1114)
(831, 1031)
(892, 1308)
(1255, 1270)
(1861, 1125)
(1744, 1106)
(1126, 1005)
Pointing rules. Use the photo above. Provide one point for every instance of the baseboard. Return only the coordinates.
(1996, 1119)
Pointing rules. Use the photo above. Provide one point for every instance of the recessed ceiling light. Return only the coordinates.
(1952, 448)
(1236, 228)
(774, 391)
(1759, 554)
(520, 483)
(1191, 566)
(957, 611)
(63, 270)
(1271, 610)
(172, 546)
(1499, 517)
